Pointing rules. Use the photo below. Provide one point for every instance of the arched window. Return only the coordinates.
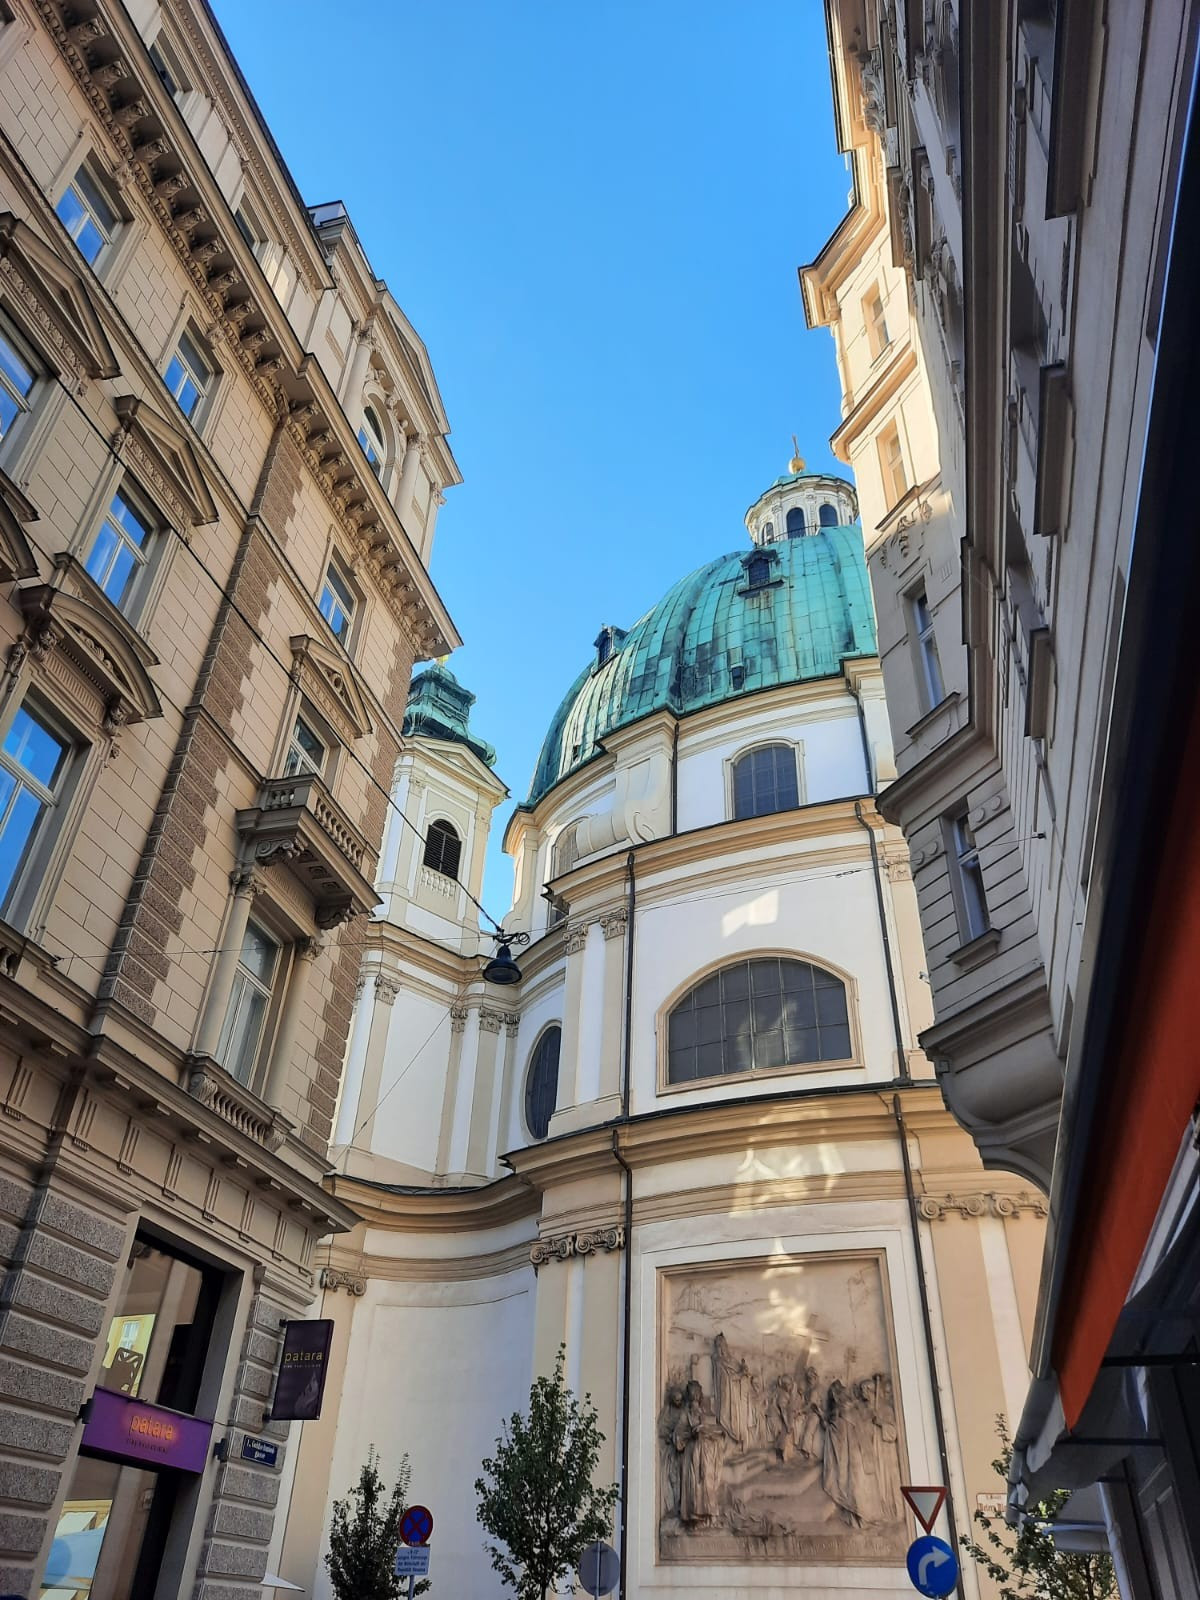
(765, 780)
(756, 1015)
(795, 522)
(443, 848)
(566, 850)
(541, 1082)
(370, 437)
(828, 515)
(768, 531)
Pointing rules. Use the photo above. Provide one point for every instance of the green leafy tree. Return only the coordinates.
(364, 1536)
(536, 1496)
(1024, 1562)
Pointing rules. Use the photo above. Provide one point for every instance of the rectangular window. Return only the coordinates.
(189, 377)
(968, 875)
(33, 763)
(170, 73)
(878, 337)
(337, 602)
(932, 686)
(119, 552)
(891, 462)
(306, 752)
(241, 1040)
(17, 377)
(87, 216)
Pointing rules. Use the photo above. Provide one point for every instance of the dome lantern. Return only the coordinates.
(800, 502)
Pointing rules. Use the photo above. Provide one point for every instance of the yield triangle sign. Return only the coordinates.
(925, 1501)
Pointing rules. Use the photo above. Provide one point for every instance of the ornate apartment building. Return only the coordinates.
(1012, 299)
(222, 453)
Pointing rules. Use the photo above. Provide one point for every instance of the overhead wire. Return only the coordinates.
(226, 596)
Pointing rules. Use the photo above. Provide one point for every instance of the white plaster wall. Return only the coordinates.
(783, 1232)
(827, 915)
(413, 1080)
(432, 1369)
(832, 759)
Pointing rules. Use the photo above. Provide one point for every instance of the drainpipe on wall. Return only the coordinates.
(902, 1068)
(939, 1418)
(627, 1187)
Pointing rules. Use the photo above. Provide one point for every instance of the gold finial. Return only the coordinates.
(796, 464)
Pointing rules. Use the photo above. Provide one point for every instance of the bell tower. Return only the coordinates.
(431, 867)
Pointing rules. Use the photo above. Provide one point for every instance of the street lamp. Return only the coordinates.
(502, 968)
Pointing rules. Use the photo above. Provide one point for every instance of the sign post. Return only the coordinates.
(412, 1558)
(599, 1569)
(932, 1565)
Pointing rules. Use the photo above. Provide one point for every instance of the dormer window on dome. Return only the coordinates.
(760, 569)
(607, 641)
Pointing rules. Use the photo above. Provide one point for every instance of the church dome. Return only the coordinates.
(779, 613)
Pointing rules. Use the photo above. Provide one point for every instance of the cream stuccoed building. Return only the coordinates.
(694, 1141)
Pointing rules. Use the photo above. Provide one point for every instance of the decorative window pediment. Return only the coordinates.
(56, 299)
(95, 654)
(17, 559)
(332, 689)
(165, 462)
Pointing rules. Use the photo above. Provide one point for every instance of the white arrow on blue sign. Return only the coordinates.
(932, 1567)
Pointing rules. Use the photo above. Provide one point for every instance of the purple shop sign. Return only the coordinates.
(300, 1386)
(132, 1430)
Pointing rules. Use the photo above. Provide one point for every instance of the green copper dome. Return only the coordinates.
(753, 619)
(440, 708)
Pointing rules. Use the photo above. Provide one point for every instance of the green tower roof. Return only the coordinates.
(719, 633)
(440, 708)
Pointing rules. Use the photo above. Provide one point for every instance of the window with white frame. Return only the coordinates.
(189, 376)
(370, 437)
(34, 760)
(933, 688)
(891, 464)
(765, 780)
(120, 550)
(88, 215)
(969, 894)
(878, 337)
(18, 374)
(306, 751)
(338, 602)
(240, 1046)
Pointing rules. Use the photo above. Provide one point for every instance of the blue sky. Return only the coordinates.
(592, 214)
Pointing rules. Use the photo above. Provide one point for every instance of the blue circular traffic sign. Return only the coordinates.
(416, 1525)
(932, 1567)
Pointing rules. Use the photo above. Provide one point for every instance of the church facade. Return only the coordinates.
(692, 1139)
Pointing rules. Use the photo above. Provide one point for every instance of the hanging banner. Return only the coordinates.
(300, 1386)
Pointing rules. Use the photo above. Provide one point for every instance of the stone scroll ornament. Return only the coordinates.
(576, 1244)
(779, 1433)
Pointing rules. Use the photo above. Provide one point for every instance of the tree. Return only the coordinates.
(1025, 1562)
(364, 1536)
(536, 1496)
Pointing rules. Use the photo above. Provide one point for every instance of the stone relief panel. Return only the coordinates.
(779, 1435)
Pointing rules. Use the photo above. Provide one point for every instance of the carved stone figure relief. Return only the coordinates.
(778, 1437)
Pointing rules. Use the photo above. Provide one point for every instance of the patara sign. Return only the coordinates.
(133, 1430)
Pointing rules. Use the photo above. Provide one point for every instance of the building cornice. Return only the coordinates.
(901, 366)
